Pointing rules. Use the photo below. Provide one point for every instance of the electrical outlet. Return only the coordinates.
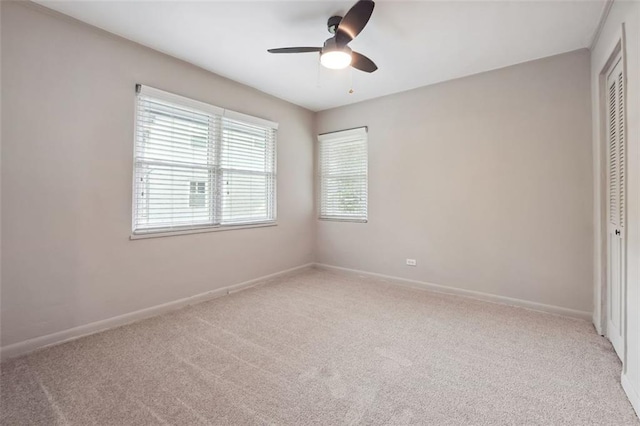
(411, 262)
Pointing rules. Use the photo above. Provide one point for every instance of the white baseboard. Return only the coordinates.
(632, 393)
(487, 297)
(40, 342)
(595, 319)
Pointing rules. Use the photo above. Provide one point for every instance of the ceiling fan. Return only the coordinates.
(335, 53)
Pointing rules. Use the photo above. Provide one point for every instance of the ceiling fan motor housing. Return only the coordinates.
(332, 23)
(331, 45)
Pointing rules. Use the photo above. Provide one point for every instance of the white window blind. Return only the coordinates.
(343, 175)
(247, 163)
(200, 166)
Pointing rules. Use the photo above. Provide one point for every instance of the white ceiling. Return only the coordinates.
(413, 43)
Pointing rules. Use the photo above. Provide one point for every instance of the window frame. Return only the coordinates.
(337, 218)
(219, 115)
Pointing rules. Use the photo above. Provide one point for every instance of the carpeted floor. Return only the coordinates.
(324, 348)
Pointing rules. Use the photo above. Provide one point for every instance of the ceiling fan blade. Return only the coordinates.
(354, 21)
(295, 50)
(362, 63)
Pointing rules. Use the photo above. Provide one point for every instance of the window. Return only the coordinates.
(196, 194)
(343, 175)
(199, 166)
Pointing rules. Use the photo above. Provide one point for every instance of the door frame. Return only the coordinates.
(600, 193)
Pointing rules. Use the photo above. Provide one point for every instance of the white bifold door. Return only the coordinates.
(616, 153)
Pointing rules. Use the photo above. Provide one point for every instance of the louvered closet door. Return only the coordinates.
(616, 153)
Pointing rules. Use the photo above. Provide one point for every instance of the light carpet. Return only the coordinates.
(326, 348)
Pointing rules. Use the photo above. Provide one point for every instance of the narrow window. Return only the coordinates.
(343, 175)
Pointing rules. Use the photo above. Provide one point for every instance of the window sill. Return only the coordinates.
(336, 219)
(159, 234)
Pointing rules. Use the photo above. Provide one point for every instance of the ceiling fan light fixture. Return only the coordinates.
(335, 54)
(335, 59)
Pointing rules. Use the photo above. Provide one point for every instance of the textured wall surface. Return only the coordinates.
(486, 181)
(67, 162)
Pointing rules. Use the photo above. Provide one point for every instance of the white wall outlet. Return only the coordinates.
(411, 262)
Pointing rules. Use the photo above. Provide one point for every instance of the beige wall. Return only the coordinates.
(485, 180)
(67, 110)
(627, 13)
